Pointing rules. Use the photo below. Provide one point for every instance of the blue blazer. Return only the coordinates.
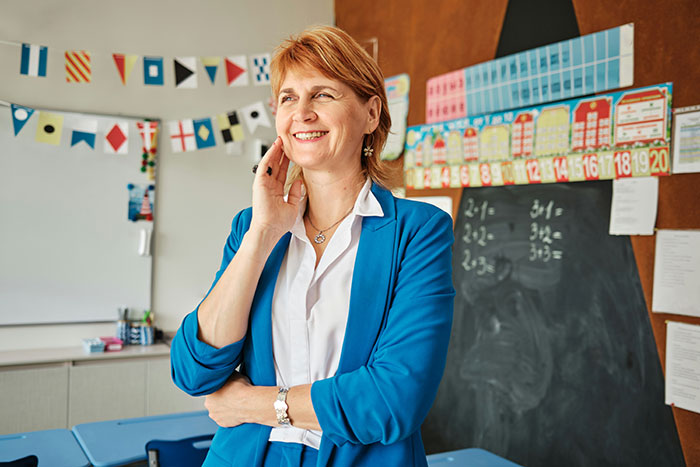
(393, 353)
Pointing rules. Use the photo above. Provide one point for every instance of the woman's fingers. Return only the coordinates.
(284, 166)
(295, 193)
(270, 159)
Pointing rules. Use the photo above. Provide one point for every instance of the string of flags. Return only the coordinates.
(185, 135)
(78, 67)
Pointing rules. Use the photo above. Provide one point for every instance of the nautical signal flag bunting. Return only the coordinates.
(255, 116)
(204, 133)
(20, 116)
(236, 70)
(78, 69)
(185, 72)
(153, 71)
(49, 128)
(116, 138)
(261, 69)
(182, 135)
(33, 60)
(230, 126)
(125, 65)
(211, 65)
(85, 131)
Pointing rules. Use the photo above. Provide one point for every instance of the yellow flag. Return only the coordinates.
(49, 128)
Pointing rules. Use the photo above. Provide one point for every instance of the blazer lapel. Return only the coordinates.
(261, 315)
(371, 284)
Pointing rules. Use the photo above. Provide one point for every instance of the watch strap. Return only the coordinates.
(281, 407)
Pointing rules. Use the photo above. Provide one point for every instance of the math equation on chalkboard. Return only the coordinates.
(518, 236)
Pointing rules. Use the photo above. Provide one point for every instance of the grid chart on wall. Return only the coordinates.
(576, 67)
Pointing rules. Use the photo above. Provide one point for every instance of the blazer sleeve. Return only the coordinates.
(387, 399)
(197, 367)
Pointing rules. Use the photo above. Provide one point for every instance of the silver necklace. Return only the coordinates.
(320, 238)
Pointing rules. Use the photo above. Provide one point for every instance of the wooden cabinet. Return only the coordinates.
(58, 389)
(33, 398)
(162, 396)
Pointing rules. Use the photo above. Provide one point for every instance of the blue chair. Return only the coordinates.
(29, 461)
(181, 452)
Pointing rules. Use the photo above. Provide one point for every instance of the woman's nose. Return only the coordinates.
(304, 111)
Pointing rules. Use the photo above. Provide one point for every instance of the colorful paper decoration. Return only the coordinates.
(141, 199)
(236, 70)
(125, 65)
(85, 130)
(182, 135)
(211, 65)
(397, 88)
(20, 116)
(609, 136)
(33, 61)
(78, 69)
(204, 133)
(584, 65)
(149, 137)
(185, 72)
(261, 69)
(49, 128)
(117, 138)
(230, 127)
(255, 116)
(153, 71)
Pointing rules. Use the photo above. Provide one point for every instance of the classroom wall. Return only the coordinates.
(426, 39)
(199, 192)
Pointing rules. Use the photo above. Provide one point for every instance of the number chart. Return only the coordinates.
(604, 137)
(584, 65)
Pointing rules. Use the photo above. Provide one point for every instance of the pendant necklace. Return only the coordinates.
(320, 238)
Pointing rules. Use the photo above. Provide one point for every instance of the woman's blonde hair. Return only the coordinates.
(332, 52)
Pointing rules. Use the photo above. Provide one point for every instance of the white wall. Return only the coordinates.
(197, 193)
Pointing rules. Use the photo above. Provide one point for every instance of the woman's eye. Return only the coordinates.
(324, 95)
(285, 98)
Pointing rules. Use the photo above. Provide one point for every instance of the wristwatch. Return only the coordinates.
(281, 407)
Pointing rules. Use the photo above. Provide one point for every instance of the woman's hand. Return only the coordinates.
(227, 406)
(271, 213)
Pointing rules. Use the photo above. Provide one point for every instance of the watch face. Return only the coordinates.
(280, 405)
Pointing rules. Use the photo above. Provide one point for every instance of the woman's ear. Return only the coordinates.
(374, 107)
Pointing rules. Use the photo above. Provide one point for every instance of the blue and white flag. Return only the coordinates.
(20, 116)
(153, 71)
(33, 60)
(85, 130)
(204, 133)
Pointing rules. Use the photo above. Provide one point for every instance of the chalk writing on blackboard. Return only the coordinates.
(552, 360)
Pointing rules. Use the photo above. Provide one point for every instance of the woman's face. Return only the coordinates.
(322, 121)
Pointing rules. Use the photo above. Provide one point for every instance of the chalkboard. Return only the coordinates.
(68, 252)
(552, 360)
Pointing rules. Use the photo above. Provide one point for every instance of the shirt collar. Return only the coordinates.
(366, 204)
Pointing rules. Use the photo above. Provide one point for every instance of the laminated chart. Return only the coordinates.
(603, 137)
(576, 67)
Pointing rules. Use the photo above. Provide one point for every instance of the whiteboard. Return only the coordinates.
(68, 252)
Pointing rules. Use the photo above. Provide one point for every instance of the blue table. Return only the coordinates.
(119, 442)
(53, 447)
(472, 457)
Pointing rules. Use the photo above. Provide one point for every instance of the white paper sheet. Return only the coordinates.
(677, 272)
(686, 140)
(683, 366)
(397, 88)
(634, 202)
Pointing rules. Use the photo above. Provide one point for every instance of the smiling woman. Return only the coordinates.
(334, 297)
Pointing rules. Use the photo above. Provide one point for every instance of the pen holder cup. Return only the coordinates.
(146, 335)
(123, 331)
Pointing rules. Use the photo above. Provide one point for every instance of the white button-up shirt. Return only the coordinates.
(310, 306)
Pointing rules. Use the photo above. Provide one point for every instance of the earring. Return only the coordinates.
(368, 149)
